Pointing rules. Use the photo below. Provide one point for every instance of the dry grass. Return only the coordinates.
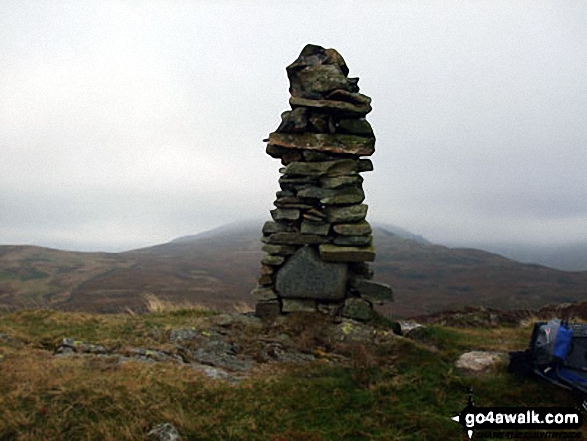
(155, 304)
(401, 391)
(242, 308)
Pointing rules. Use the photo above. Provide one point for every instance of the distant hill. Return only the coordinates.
(219, 268)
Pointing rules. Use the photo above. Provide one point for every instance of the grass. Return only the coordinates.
(402, 390)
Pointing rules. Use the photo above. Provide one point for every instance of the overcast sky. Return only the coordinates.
(127, 124)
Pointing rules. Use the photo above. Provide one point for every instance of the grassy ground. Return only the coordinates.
(403, 390)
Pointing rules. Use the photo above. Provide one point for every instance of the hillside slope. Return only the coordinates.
(219, 268)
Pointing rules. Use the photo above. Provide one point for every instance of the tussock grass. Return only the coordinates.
(156, 304)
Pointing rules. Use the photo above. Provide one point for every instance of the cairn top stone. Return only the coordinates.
(318, 71)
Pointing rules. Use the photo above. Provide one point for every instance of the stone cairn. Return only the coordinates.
(319, 242)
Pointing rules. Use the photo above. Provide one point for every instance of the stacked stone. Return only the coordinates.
(319, 242)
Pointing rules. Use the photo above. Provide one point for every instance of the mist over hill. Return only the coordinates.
(219, 268)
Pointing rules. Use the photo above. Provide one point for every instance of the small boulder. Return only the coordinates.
(477, 362)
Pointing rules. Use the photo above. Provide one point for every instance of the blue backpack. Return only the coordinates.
(558, 354)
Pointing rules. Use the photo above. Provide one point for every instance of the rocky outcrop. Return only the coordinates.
(319, 241)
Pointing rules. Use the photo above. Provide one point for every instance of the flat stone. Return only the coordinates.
(263, 294)
(325, 142)
(268, 310)
(164, 432)
(293, 121)
(313, 56)
(298, 305)
(265, 280)
(319, 228)
(480, 361)
(412, 329)
(271, 227)
(355, 229)
(305, 275)
(321, 168)
(319, 122)
(266, 270)
(312, 218)
(354, 126)
(313, 192)
(287, 182)
(317, 213)
(284, 194)
(314, 155)
(353, 213)
(335, 253)
(364, 165)
(296, 239)
(340, 181)
(291, 202)
(353, 241)
(357, 99)
(320, 80)
(273, 260)
(374, 291)
(280, 250)
(344, 195)
(285, 214)
(274, 151)
(357, 309)
(334, 106)
(291, 155)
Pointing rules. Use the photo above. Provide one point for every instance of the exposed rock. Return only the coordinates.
(412, 329)
(164, 432)
(305, 275)
(480, 361)
(357, 309)
(373, 291)
(298, 305)
(73, 346)
(335, 143)
(267, 310)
